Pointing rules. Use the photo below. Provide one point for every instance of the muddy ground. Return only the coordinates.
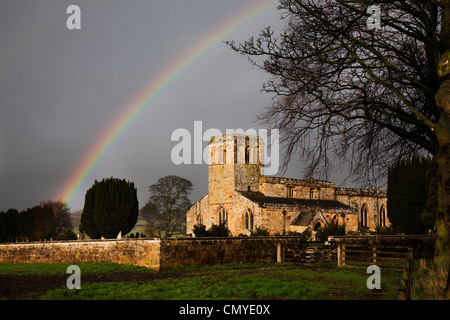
(32, 287)
(22, 287)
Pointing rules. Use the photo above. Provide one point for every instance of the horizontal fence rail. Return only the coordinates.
(358, 255)
(349, 255)
(389, 257)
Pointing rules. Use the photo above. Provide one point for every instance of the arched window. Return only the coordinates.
(290, 192)
(317, 226)
(223, 215)
(364, 211)
(220, 155)
(257, 158)
(199, 219)
(249, 219)
(383, 216)
(224, 152)
(253, 159)
(335, 219)
(213, 156)
(235, 150)
(247, 150)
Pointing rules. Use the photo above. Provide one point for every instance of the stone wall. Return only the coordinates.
(144, 253)
(212, 251)
(154, 254)
(273, 219)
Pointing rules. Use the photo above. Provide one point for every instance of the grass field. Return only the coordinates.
(241, 282)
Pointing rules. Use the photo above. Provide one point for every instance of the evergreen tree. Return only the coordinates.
(44, 222)
(408, 185)
(3, 226)
(87, 224)
(26, 223)
(111, 206)
(9, 229)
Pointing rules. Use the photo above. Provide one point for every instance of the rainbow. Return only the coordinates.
(150, 92)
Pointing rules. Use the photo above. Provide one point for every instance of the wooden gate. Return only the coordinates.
(307, 252)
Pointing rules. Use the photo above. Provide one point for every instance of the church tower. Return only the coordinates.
(235, 163)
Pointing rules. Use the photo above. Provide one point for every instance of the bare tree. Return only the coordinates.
(167, 205)
(152, 216)
(63, 217)
(344, 90)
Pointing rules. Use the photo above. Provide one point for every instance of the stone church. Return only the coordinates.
(241, 196)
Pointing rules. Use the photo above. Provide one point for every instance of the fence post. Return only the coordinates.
(410, 260)
(406, 282)
(280, 256)
(343, 254)
(404, 292)
(339, 254)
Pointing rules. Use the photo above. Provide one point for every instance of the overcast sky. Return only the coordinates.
(61, 88)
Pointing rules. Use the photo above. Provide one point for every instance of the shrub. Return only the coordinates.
(260, 232)
(384, 230)
(220, 230)
(67, 234)
(200, 231)
(306, 235)
(331, 229)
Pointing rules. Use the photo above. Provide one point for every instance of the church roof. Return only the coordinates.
(323, 204)
(303, 218)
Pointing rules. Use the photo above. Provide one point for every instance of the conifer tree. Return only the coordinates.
(12, 221)
(87, 224)
(3, 227)
(110, 207)
(408, 185)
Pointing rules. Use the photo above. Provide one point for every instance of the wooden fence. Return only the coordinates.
(404, 288)
(389, 257)
(359, 255)
(350, 255)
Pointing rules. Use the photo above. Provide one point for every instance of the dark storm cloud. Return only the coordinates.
(60, 88)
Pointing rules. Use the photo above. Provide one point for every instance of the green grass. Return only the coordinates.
(58, 269)
(197, 288)
(234, 281)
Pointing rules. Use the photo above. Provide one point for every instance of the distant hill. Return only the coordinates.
(76, 217)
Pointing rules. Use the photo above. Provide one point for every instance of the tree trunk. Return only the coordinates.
(441, 251)
(443, 222)
(442, 240)
(442, 130)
